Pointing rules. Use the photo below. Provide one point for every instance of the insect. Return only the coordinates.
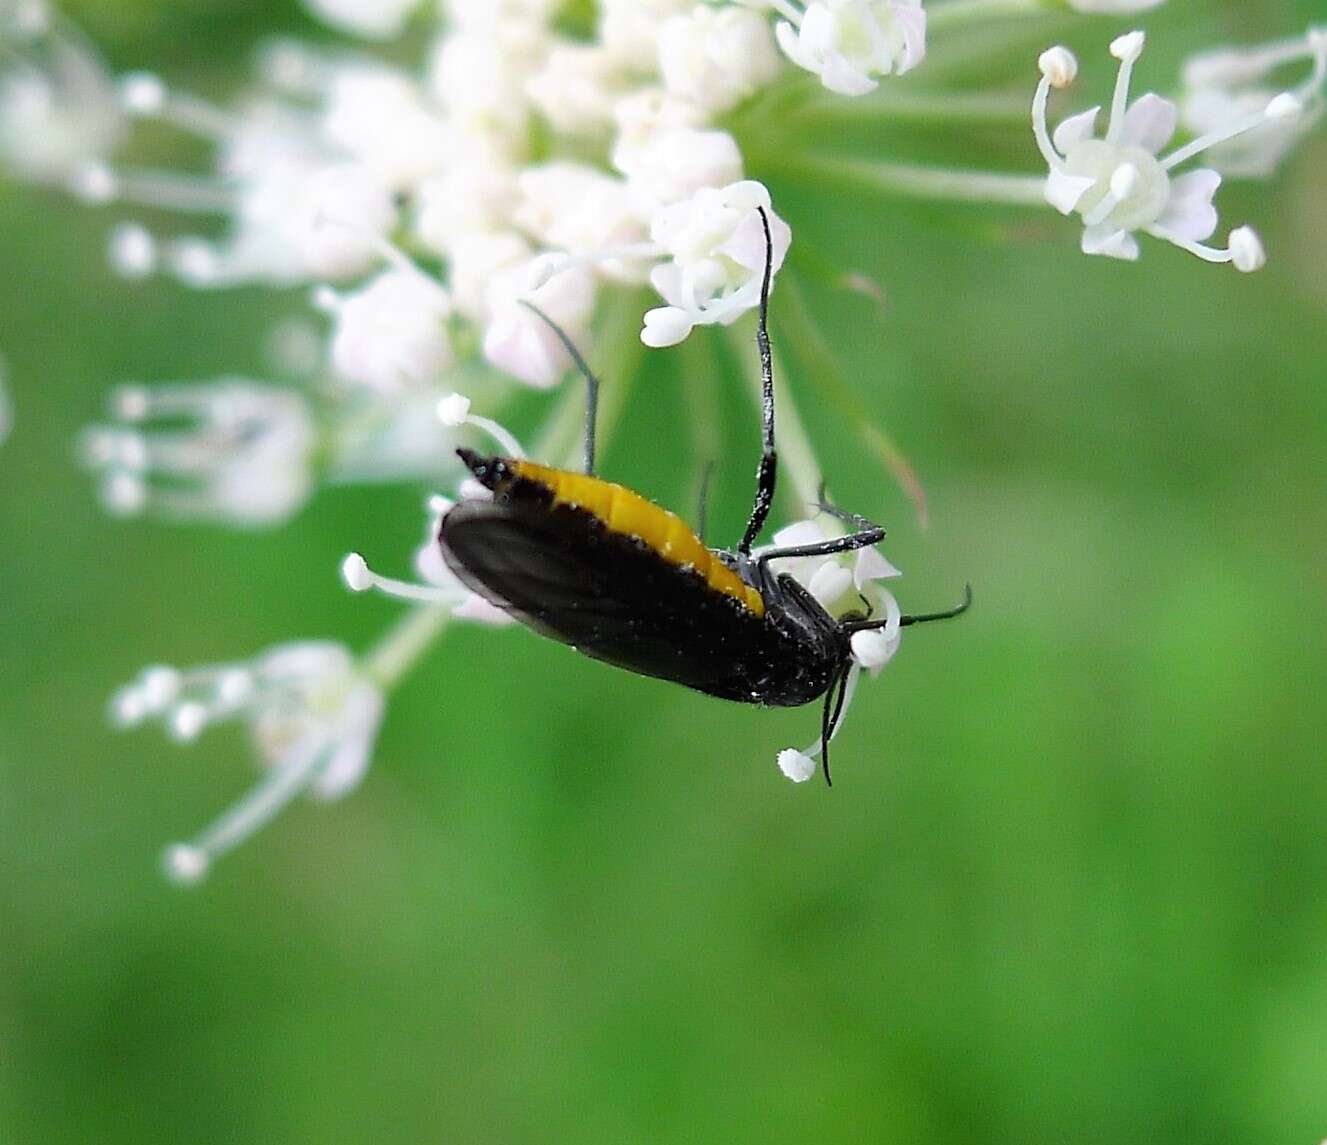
(597, 566)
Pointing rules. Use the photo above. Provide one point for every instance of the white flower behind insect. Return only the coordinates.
(516, 340)
(849, 43)
(847, 582)
(231, 451)
(312, 714)
(674, 162)
(716, 58)
(1119, 183)
(575, 208)
(576, 87)
(715, 242)
(382, 119)
(391, 335)
(630, 29)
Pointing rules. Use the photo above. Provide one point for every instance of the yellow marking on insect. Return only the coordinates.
(628, 513)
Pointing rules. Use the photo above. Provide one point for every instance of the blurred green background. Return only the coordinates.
(1071, 882)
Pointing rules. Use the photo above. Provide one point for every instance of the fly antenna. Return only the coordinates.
(948, 614)
(591, 382)
(769, 462)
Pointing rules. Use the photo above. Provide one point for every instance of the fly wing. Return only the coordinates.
(559, 571)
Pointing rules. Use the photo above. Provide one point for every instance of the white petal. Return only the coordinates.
(1189, 214)
(1076, 128)
(1110, 241)
(872, 565)
(665, 326)
(1149, 123)
(1063, 192)
(841, 76)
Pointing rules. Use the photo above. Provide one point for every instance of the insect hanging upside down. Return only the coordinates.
(597, 566)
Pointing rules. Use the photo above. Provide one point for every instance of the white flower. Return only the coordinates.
(380, 118)
(676, 163)
(1118, 183)
(850, 42)
(344, 211)
(717, 246)
(517, 341)
(58, 109)
(576, 88)
(846, 582)
(372, 19)
(629, 29)
(440, 585)
(230, 451)
(576, 208)
(476, 260)
(479, 73)
(715, 58)
(313, 717)
(392, 334)
(476, 193)
(1228, 85)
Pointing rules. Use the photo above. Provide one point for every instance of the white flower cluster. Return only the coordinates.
(459, 223)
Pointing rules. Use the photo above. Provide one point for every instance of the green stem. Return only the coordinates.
(953, 14)
(405, 642)
(920, 182)
(929, 108)
(822, 366)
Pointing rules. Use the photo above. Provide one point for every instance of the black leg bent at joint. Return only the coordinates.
(591, 382)
(766, 475)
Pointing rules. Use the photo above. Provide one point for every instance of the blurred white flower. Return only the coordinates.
(479, 72)
(516, 340)
(381, 119)
(577, 86)
(1229, 85)
(716, 245)
(848, 43)
(312, 714)
(372, 19)
(476, 260)
(475, 192)
(576, 208)
(1118, 183)
(231, 451)
(58, 109)
(391, 335)
(629, 29)
(677, 162)
(715, 58)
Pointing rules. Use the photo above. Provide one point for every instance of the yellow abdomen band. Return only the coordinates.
(631, 515)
